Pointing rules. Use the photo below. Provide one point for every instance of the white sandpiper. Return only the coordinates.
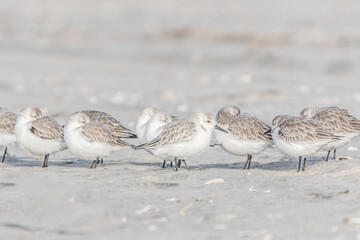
(91, 140)
(155, 126)
(299, 137)
(183, 139)
(7, 130)
(141, 124)
(246, 134)
(337, 121)
(41, 136)
(141, 127)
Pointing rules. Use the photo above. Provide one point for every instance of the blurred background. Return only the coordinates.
(268, 57)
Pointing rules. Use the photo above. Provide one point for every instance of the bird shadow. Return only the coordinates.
(148, 164)
(283, 164)
(236, 165)
(286, 164)
(33, 162)
(72, 162)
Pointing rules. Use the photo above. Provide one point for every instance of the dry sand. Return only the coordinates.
(268, 58)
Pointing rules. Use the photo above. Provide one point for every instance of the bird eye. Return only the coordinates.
(208, 121)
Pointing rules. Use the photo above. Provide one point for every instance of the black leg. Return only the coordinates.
(299, 164)
(304, 164)
(171, 164)
(92, 164)
(246, 163)
(99, 160)
(327, 157)
(96, 162)
(3, 159)
(179, 163)
(164, 164)
(176, 164)
(249, 157)
(334, 154)
(186, 165)
(46, 161)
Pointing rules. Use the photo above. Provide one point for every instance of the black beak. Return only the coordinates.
(174, 118)
(213, 143)
(268, 131)
(220, 129)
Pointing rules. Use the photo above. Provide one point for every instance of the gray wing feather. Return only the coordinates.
(172, 133)
(7, 123)
(302, 129)
(47, 128)
(95, 132)
(110, 123)
(246, 127)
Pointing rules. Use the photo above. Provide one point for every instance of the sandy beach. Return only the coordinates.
(183, 57)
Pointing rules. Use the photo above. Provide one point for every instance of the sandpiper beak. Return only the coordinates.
(174, 118)
(220, 129)
(268, 131)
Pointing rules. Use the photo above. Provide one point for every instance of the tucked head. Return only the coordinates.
(78, 119)
(147, 113)
(226, 114)
(310, 112)
(207, 121)
(31, 113)
(161, 118)
(279, 119)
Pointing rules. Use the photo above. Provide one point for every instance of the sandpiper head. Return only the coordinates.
(279, 119)
(31, 113)
(161, 118)
(310, 112)
(147, 113)
(226, 114)
(78, 119)
(207, 121)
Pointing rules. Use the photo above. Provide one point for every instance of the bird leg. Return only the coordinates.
(94, 163)
(163, 166)
(327, 157)
(334, 154)
(179, 163)
(299, 164)
(249, 159)
(246, 163)
(176, 164)
(3, 158)
(185, 165)
(46, 161)
(303, 168)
